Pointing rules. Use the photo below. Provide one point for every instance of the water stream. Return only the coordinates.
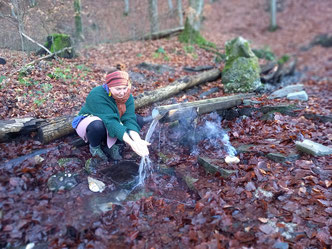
(145, 167)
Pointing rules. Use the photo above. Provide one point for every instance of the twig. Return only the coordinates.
(33, 41)
(45, 57)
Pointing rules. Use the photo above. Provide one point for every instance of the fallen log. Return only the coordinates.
(162, 34)
(14, 127)
(168, 113)
(177, 86)
(55, 128)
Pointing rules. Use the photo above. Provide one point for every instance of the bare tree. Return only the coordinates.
(18, 13)
(78, 20)
(126, 9)
(195, 13)
(153, 13)
(273, 17)
(170, 5)
(180, 12)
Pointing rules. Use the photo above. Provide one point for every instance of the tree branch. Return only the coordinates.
(45, 57)
(33, 41)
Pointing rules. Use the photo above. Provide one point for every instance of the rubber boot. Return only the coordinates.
(97, 152)
(115, 152)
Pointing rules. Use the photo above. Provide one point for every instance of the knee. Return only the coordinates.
(96, 126)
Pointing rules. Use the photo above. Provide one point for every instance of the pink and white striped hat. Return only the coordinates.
(117, 78)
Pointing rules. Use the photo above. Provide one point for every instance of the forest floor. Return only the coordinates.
(265, 204)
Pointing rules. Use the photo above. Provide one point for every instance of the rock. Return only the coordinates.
(322, 118)
(207, 93)
(38, 159)
(62, 181)
(56, 42)
(283, 92)
(280, 158)
(212, 168)
(313, 148)
(242, 71)
(96, 185)
(190, 182)
(325, 40)
(245, 148)
(281, 245)
(232, 159)
(137, 77)
(66, 162)
(302, 95)
(159, 69)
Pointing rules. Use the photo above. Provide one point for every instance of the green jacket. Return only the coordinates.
(99, 104)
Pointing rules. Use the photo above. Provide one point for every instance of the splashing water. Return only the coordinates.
(145, 166)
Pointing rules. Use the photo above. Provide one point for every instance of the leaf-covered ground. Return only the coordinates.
(264, 204)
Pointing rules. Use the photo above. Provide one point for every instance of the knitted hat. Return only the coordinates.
(117, 78)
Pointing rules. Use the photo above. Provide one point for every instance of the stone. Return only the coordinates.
(207, 93)
(281, 245)
(157, 68)
(232, 159)
(96, 185)
(62, 181)
(280, 158)
(313, 148)
(71, 161)
(190, 181)
(242, 71)
(302, 95)
(212, 168)
(56, 42)
(283, 92)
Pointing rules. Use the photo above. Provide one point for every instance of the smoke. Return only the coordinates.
(209, 131)
(215, 135)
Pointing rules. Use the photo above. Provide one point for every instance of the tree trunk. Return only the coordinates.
(273, 12)
(195, 13)
(78, 20)
(150, 97)
(170, 5)
(126, 8)
(180, 12)
(18, 14)
(153, 12)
